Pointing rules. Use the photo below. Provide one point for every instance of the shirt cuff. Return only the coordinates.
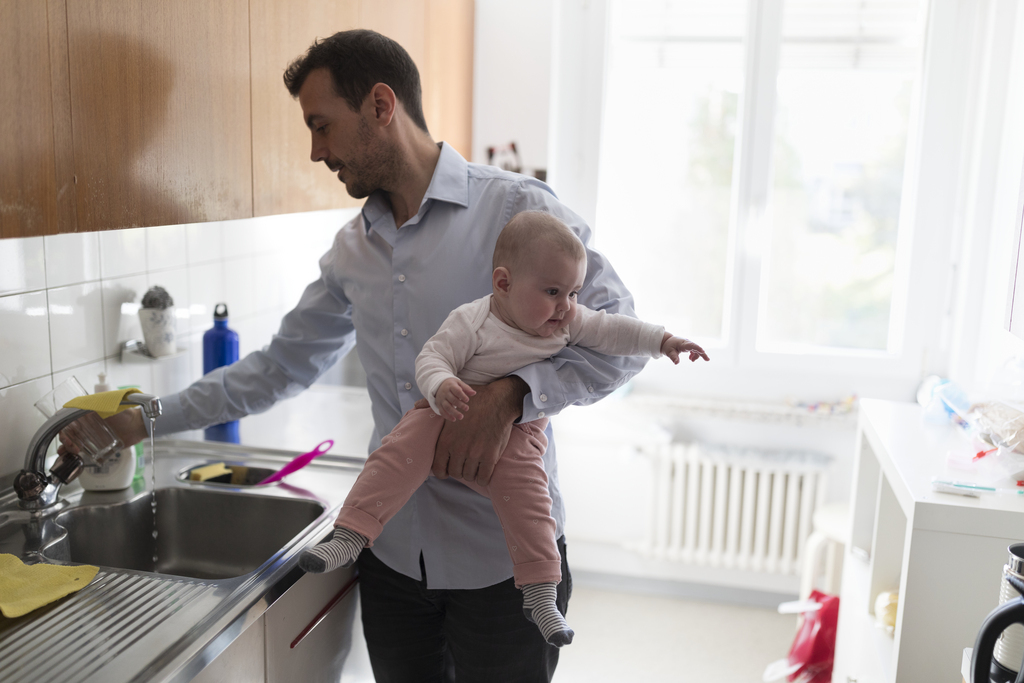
(172, 416)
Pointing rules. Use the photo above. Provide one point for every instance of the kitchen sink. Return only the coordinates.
(200, 533)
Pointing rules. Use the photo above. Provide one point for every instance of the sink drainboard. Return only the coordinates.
(83, 633)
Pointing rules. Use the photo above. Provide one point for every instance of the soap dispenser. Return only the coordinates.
(117, 471)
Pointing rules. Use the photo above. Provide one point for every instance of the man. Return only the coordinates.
(437, 594)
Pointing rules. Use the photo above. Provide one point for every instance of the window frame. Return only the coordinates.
(920, 312)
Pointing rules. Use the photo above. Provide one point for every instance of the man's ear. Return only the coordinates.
(384, 102)
(501, 279)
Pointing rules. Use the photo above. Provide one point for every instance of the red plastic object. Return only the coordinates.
(299, 462)
(815, 644)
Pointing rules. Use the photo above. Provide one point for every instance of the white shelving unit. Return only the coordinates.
(943, 552)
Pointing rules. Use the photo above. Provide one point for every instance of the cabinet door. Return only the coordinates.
(160, 108)
(296, 652)
(284, 178)
(447, 73)
(35, 169)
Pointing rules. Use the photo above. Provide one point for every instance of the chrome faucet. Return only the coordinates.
(37, 490)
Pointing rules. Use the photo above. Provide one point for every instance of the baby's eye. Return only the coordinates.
(552, 292)
(573, 295)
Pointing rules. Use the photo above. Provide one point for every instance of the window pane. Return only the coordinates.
(846, 78)
(674, 78)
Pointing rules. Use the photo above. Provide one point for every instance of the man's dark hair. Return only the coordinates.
(358, 60)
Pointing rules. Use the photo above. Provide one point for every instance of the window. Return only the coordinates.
(752, 171)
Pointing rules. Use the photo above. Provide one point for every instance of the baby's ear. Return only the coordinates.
(501, 279)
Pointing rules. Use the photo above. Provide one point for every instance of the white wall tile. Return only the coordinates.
(205, 242)
(205, 289)
(76, 325)
(87, 375)
(24, 338)
(122, 252)
(135, 371)
(240, 238)
(266, 286)
(72, 258)
(19, 420)
(121, 326)
(239, 279)
(166, 247)
(22, 267)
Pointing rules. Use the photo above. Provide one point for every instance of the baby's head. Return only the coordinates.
(539, 266)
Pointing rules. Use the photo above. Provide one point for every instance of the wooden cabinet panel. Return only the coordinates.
(447, 73)
(28, 174)
(160, 111)
(438, 34)
(284, 178)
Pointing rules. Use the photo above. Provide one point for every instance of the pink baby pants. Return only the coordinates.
(518, 490)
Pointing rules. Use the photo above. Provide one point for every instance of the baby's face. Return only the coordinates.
(542, 298)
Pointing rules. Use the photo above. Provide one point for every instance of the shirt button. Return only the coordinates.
(590, 389)
(408, 386)
(405, 333)
(540, 414)
(401, 278)
(543, 398)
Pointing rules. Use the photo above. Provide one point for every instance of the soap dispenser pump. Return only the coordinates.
(117, 471)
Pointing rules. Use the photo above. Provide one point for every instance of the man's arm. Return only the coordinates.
(483, 432)
(311, 338)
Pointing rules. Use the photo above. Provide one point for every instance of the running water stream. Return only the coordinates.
(152, 488)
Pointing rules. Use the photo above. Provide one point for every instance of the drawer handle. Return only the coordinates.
(345, 590)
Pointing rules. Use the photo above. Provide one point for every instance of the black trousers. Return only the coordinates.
(419, 635)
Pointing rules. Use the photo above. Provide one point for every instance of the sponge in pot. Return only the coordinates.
(208, 472)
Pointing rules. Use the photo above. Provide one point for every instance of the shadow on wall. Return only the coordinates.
(121, 181)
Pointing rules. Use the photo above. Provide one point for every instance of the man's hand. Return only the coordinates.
(470, 448)
(674, 347)
(128, 426)
(452, 398)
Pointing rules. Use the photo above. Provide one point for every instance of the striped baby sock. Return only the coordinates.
(340, 551)
(539, 607)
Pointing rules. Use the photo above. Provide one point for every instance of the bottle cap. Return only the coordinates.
(220, 312)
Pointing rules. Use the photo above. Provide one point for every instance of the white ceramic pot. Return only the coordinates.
(158, 331)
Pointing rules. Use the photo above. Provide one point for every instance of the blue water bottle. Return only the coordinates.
(220, 347)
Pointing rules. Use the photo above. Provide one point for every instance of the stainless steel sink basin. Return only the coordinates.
(201, 533)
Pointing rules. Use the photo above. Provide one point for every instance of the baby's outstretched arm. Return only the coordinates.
(674, 347)
(452, 398)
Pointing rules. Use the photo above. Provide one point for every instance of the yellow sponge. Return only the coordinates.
(218, 469)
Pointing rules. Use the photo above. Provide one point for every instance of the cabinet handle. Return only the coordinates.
(345, 590)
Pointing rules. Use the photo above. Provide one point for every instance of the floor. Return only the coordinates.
(629, 636)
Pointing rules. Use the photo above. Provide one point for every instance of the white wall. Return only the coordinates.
(512, 78)
(61, 296)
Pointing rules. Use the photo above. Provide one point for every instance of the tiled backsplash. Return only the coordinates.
(61, 303)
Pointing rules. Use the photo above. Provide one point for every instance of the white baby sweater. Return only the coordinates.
(474, 345)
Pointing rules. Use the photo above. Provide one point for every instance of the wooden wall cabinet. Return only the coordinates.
(438, 34)
(133, 113)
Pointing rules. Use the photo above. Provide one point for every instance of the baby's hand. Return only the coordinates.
(452, 398)
(673, 347)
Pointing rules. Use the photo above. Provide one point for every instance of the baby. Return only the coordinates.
(539, 267)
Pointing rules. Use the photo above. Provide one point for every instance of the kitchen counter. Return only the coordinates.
(131, 625)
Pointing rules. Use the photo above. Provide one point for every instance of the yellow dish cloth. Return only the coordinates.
(24, 588)
(106, 403)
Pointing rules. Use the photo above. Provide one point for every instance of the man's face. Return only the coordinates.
(347, 141)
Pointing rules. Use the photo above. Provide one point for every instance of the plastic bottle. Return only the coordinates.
(140, 463)
(117, 471)
(220, 347)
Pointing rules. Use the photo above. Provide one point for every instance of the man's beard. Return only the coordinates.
(376, 169)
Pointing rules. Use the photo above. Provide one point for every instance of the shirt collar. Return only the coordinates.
(450, 183)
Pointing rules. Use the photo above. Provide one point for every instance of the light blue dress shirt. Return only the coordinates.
(387, 290)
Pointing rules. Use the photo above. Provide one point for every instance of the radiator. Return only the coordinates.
(735, 508)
